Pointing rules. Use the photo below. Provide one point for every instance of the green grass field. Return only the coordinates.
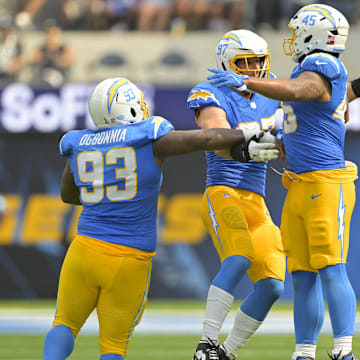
(156, 347)
(160, 347)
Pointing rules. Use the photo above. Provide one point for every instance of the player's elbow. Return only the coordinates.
(70, 197)
(65, 198)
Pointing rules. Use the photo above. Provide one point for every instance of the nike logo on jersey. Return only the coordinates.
(317, 62)
(315, 196)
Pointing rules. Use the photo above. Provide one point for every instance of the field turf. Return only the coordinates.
(161, 347)
(157, 347)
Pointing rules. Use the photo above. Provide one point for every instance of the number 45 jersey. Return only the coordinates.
(119, 181)
(314, 131)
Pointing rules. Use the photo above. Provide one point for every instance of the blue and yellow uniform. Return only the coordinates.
(233, 207)
(108, 264)
(321, 195)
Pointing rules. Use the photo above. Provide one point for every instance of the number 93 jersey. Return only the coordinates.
(314, 131)
(119, 181)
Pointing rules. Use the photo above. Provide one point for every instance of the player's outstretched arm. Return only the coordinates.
(307, 86)
(69, 191)
(178, 142)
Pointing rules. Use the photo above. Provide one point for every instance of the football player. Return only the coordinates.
(233, 206)
(114, 172)
(321, 193)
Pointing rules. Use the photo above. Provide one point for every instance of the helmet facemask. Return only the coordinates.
(240, 64)
(288, 43)
(236, 49)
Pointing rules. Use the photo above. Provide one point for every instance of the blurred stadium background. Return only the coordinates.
(52, 53)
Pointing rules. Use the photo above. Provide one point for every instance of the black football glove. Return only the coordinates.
(254, 149)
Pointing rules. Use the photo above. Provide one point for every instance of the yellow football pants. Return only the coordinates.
(315, 224)
(240, 224)
(116, 286)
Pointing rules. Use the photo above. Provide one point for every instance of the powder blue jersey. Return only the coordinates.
(314, 131)
(119, 181)
(241, 113)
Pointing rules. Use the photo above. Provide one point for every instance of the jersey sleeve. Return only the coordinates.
(204, 95)
(66, 143)
(323, 64)
(159, 127)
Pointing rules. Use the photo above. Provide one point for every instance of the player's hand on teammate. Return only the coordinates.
(279, 142)
(227, 78)
(259, 146)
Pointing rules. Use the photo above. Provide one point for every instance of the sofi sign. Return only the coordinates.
(23, 108)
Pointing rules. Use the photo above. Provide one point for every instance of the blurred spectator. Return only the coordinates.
(234, 11)
(98, 14)
(122, 14)
(194, 14)
(10, 52)
(154, 14)
(268, 14)
(51, 63)
(163, 15)
(84, 15)
(226, 15)
(95, 16)
(28, 11)
(10, 8)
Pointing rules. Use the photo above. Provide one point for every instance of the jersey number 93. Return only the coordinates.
(91, 169)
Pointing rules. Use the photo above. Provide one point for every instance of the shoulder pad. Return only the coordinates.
(322, 63)
(160, 127)
(203, 95)
(66, 142)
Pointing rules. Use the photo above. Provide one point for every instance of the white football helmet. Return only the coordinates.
(116, 102)
(316, 27)
(242, 44)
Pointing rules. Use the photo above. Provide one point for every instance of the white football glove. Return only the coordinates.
(259, 146)
(267, 138)
(252, 134)
(262, 151)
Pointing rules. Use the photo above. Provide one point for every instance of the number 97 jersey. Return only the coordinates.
(119, 181)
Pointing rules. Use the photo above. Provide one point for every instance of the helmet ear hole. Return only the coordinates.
(307, 39)
(133, 112)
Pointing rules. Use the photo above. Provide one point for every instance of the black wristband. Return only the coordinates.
(355, 85)
(240, 152)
